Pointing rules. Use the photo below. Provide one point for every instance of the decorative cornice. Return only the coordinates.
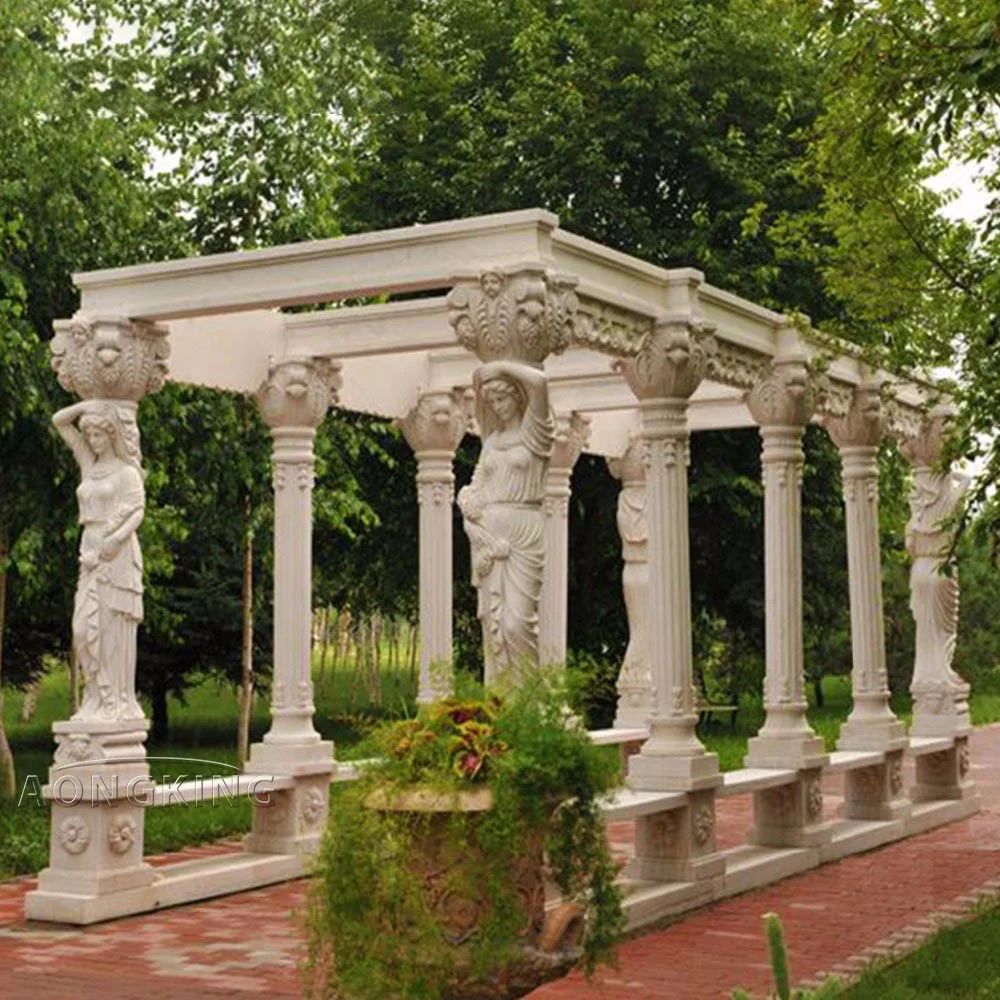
(109, 357)
(299, 390)
(516, 314)
(786, 396)
(924, 444)
(864, 423)
(674, 358)
(572, 436)
(438, 422)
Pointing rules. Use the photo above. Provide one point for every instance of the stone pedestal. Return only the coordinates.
(434, 429)
(782, 403)
(680, 845)
(97, 787)
(945, 775)
(791, 815)
(292, 821)
(670, 365)
(877, 792)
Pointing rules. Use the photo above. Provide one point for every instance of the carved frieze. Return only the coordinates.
(109, 357)
(737, 366)
(298, 391)
(522, 314)
(604, 328)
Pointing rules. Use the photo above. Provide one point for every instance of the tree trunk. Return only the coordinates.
(74, 682)
(818, 691)
(246, 658)
(30, 702)
(324, 640)
(8, 779)
(158, 700)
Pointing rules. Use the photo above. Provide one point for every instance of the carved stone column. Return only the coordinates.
(670, 365)
(434, 428)
(635, 681)
(96, 868)
(512, 319)
(294, 399)
(572, 434)
(940, 695)
(870, 793)
(782, 404)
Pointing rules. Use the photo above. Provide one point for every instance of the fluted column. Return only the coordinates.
(782, 403)
(572, 434)
(434, 429)
(872, 724)
(670, 365)
(635, 682)
(294, 399)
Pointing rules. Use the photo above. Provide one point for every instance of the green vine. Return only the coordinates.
(373, 932)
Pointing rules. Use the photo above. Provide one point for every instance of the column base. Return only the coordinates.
(648, 772)
(798, 752)
(872, 734)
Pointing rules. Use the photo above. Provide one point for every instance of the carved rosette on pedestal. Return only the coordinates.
(523, 313)
(635, 681)
(940, 695)
(293, 399)
(572, 435)
(782, 403)
(674, 358)
(858, 434)
(97, 830)
(434, 429)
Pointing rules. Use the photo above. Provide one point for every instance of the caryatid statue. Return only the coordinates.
(511, 321)
(937, 689)
(111, 362)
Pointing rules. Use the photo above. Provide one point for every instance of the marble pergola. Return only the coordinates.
(559, 345)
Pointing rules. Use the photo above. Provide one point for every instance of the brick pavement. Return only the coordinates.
(837, 918)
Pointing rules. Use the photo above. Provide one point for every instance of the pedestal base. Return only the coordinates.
(651, 772)
(799, 753)
(944, 775)
(876, 792)
(865, 734)
(791, 815)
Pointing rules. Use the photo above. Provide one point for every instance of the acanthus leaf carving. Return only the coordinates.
(438, 422)
(786, 396)
(572, 436)
(109, 357)
(519, 314)
(672, 361)
(299, 390)
(864, 423)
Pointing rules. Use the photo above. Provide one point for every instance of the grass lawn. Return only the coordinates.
(204, 726)
(962, 963)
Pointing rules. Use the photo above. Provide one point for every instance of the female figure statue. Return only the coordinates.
(934, 595)
(104, 439)
(502, 508)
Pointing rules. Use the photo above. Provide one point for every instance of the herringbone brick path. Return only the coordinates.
(837, 918)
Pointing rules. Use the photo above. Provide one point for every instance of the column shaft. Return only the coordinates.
(554, 601)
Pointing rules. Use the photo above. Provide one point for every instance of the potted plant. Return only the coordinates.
(471, 861)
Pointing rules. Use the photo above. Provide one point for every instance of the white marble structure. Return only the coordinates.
(564, 346)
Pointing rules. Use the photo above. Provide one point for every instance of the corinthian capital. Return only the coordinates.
(786, 396)
(109, 357)
(438, 421)
(865, 422)
(298, 391)
(521, 314)
(572, 435)
(925, 446)
(672, 361)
